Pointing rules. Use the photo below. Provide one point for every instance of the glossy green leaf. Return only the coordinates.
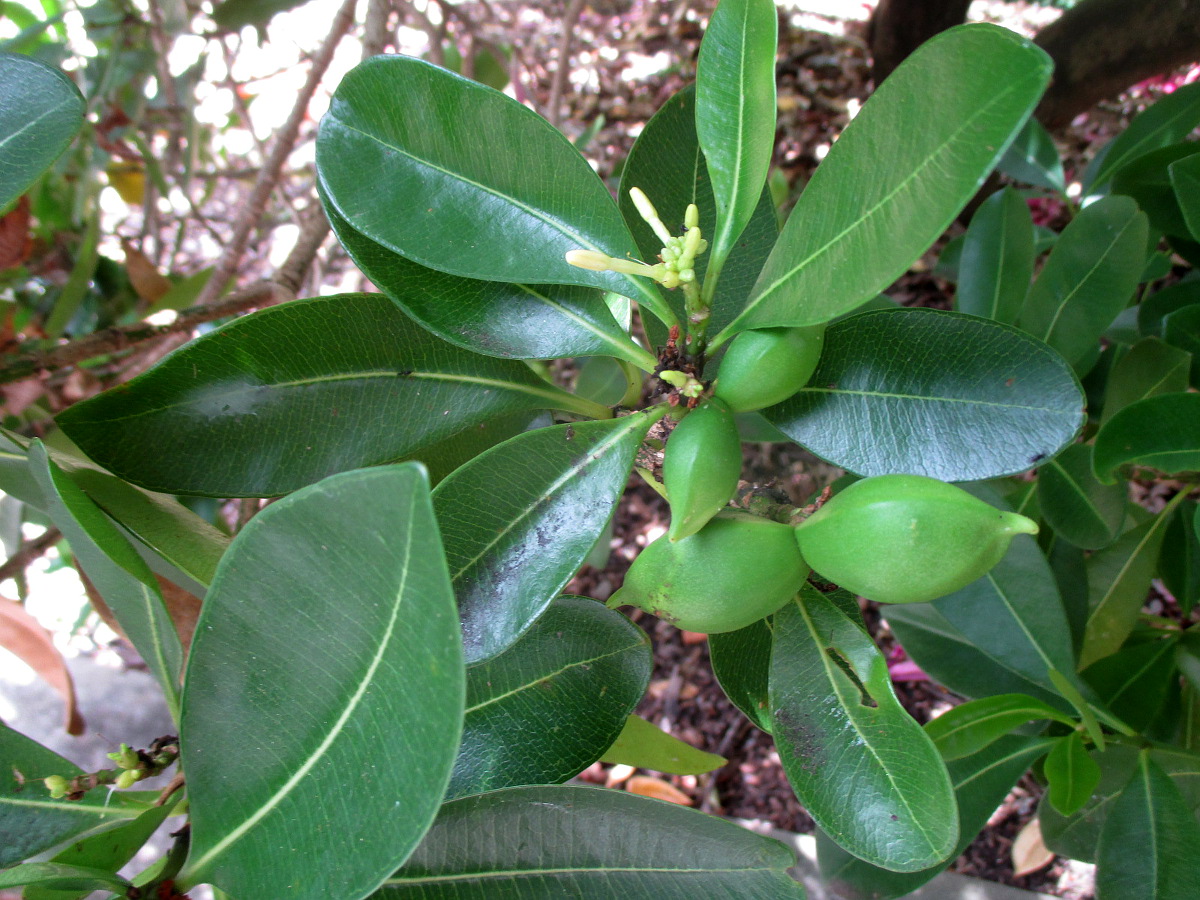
(233, 15)
(1179, 564)
(970, 727)
(735, 114)
(1155, 308)
(925, 392)
(545, 843)
(643, 745)
(602, 379)
(1133, 682)
(515, 321)
(107, 849)
(283, 397)
(63, 877)
(41, 110)
(981, 782)
(898, 174)
(1076, 836)
(460, 178)
(1014, 613)
(1147, 180)
(666, 162)
(1088, 278)
(1118, 581)
(996, 266)
(1071, 774)
(510, 552)
(741, 662)
(334, 604)
(1033, 158)
(1148, 369)
(118, 573)
(863, 769)
(1181, 329)
(1162, 432)
(1185, 179)
(952, 659)
(1148, 844)
(1168, 121)
(1077, 506)
(29, 819)
(549, 706)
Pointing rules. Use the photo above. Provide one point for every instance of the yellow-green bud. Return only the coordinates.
(57, 786)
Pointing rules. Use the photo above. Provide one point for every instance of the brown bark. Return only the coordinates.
(898, 27)
(1101, 47)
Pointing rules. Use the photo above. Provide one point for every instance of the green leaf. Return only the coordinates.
(1148, 369)
(1033, 159)
(666, 162)
(1076, 836)
(981, 782)
(644, 746)
(1148, 844)
(1182, 329)
(1185, 179)
(566, 687)
(1118, 581)
(898, 174)
(553, 842)
(514, 321)
(735, 114)
(926, 392)
(1072, 774)
(233, 15)
(1162, 432)
(1081, 509)
(460, 178)
(283, 397)
(107, 849)
(1147, 180)
(118, 573)
(997, 259)
(1168, 121)
(1088, 278)
(970, 727)
(510, 552)
(1014, 613)
(1179, 563)
(29, 819)
(863, 769)
(741, 662)
(1134, 681)
(334, 604)
(57, 875)
(41, 110)
(1155, 308)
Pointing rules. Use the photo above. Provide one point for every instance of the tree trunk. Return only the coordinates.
(898, 27)
(1101, 47)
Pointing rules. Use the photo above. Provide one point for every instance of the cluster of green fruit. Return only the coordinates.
(890, 538)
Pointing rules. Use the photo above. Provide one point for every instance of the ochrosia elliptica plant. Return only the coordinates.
(386, 690)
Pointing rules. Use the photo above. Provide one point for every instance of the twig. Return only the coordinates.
(559, 79)
(285, 140)
(375, 30)
(28, 552)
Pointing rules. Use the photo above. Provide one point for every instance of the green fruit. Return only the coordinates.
(701, 466)
(736, 570)
(906, 538)
(766, 366)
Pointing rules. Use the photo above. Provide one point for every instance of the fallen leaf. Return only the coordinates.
(649, 786)
(15, 240)
(23, 635)
(150, 284)
(1029, 852)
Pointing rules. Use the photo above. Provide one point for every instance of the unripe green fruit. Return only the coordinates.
(736, 570)
(701, 466)
(766, 366)
(906, 538)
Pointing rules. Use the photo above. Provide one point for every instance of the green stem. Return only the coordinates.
(581, 406)
(640, 358)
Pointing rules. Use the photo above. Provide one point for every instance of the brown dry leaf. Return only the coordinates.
(1029, 852)
(15, 240)
(21, 634)
(649, 786)
(150, 284)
